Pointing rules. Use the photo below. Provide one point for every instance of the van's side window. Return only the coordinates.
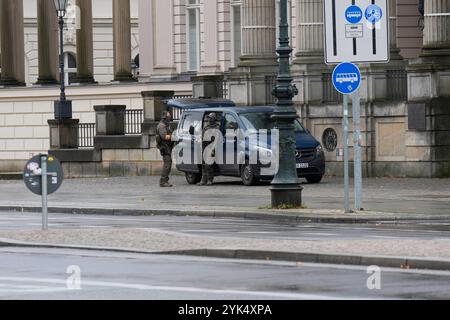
(230, 122)
(187, 123)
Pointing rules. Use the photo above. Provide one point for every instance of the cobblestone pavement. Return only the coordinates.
(419, 196)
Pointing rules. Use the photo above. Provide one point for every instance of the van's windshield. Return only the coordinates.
(262, 120)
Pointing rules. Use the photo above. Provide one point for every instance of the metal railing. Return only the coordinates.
(133, 121)
(86, 133)
(397, 85)
(223, 87)
(176, 113)
(329, 94)
(182, 96)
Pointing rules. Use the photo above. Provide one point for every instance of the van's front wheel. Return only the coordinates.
(193, 178)
(314, 179)
(248, 175)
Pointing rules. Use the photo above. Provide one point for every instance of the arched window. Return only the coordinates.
(136, 60)
(421, 7)
(135, 66)
(70, 68)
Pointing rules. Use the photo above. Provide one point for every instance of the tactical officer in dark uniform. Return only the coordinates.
(165, 145)
(208, 170)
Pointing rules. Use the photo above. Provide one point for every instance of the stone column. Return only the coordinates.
(395, 51)
(48, 42)
(258, 33)
(85, 47)
(308, 68)
(145, 41)
(122, 40)
(209, 64)
(436, 35)
(428, 75)
(12, 43)
(309, 31)
(250, 83)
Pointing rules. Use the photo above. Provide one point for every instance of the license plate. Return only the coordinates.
(302, 165)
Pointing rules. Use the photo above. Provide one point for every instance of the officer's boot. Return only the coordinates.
(204, 177)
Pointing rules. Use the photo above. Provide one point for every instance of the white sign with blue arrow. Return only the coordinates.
(356, 31)
(346, 78)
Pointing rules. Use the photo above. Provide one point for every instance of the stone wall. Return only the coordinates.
(390, 146)
(24, 112)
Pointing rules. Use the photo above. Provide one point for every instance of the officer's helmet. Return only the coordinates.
(212, 117)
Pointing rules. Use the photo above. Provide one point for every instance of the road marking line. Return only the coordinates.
(383, 237)
(180, 289)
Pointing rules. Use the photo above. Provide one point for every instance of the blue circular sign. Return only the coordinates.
(374, 13)
(346, 78)
(353, 14)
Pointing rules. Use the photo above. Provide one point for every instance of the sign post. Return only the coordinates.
(346, 170)
(357, 143)
(347, 80)
(44, 192)
(43, 175)
(355, 31)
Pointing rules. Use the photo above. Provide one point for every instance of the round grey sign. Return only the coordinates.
(33, 170)
(330, 139)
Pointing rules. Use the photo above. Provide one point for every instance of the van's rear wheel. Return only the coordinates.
(248, 175)
(193, 178)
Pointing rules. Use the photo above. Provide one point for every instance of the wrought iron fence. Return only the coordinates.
(223, 87)
(176, 113)
(86, 133)
(329, 94)
(270, 83)
(182, 96)
(133, 121)
(397, 85)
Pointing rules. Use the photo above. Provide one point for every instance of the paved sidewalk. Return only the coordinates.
(383, 198)
(426, 254)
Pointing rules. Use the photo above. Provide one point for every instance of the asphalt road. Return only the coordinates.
(39, 274)
(230, 227)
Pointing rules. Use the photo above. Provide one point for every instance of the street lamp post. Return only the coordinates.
(63, 107)
(286, 190)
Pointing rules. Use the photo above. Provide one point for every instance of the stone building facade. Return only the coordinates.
(102, 34)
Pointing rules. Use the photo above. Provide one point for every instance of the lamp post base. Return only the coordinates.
(286, 195)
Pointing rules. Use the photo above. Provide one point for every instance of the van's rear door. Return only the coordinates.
(188, 150)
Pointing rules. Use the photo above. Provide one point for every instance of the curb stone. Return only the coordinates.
(293, 217)
(299, 257)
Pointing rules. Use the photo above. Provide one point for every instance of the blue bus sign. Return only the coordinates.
(346, 78)
(353, 14)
